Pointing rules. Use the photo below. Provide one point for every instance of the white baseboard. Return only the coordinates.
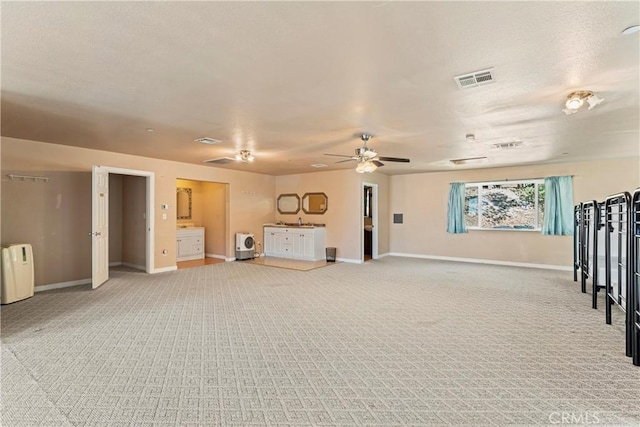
(215, 256)
(115, 264)
(384, 255)
(485, 261)
(61, 285)
(136, 266)
(164, 269)
(230, 259)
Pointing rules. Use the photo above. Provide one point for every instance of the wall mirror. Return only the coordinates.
(314, 203)
(288, 203)
(183, 203)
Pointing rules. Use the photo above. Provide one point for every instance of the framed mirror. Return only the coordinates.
(183, 203)
(288, 203)
(315, 203)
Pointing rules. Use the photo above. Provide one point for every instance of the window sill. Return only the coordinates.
(529, 230)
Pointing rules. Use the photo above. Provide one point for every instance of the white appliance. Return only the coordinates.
(17, 273)
(245, 246)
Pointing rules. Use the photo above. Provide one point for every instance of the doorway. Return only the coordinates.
(369, 221)
(100, 233)
(205, 206)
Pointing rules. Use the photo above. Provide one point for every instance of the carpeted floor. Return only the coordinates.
(390, 342)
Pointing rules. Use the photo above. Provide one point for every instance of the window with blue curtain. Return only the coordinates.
(558, 206)
(455, 209)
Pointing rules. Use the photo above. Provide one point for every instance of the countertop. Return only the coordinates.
(294, 225)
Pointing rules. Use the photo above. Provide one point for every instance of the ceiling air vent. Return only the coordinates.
(507, 145)
(470, 160)
(220, 161)
(477, 78)
(207, 140)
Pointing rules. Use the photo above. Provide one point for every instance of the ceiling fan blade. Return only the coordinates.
(336, 155)
(348, 160)
(377, 163)
(393, 159)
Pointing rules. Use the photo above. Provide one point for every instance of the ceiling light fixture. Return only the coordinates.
(150, 129)
(366, 166)
(631, 30)
(245, 156)
(471, 138)
(576, 99)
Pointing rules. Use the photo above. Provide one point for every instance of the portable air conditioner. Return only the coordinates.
(17, 273)
(245, 246)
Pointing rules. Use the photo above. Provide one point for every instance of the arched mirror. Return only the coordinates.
(183, 203)
(315, 203)
(288, 203)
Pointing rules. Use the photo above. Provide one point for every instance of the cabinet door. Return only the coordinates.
(184, 246)
(308, 245)
(269, 243)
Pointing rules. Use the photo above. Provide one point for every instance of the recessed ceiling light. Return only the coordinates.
(318, 165)
(471, 138)
(150, 129)
(207, 140)
(631, 30)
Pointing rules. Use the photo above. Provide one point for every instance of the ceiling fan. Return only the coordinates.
(367, 158)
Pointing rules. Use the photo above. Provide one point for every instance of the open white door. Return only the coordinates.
(100, 227)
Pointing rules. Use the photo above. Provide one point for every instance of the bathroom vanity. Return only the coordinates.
(303, 242)
(190, 243)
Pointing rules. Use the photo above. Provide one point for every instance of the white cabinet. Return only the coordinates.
(190, 243)
(305, 243)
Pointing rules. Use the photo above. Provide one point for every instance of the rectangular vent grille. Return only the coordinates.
(507, 145)
(220, 161)
(207, 140)
(470, 160)
(475, 79)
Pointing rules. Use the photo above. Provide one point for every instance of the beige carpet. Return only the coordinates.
(291, 264)
(393, 342)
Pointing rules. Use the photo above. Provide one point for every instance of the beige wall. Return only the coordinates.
(422, 198)
(53, 217)
(134, 223)
(343, 217)
(39, 217)
(115, 218)
(214, 205)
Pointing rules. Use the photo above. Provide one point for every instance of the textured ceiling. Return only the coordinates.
(294, 80)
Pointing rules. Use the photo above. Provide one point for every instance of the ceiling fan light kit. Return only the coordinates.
(366, 166)
(245, 156)
(575, 100)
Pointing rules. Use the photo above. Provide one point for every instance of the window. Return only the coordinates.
(510, 205)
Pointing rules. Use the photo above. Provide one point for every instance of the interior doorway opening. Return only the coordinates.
(133, 201)
(369, 221)
(202, 205)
